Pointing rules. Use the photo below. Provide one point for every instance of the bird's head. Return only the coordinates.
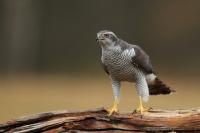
(106, 38)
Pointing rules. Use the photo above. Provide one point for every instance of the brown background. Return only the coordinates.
(49, 59)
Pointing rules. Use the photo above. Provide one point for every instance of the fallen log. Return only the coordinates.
(97, 120)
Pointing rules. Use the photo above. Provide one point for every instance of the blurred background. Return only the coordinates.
(49, 59)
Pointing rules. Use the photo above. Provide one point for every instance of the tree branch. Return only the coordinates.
(99, 121)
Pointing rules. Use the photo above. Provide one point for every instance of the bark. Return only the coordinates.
(97, 120)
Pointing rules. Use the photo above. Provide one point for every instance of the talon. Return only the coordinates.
(114, 109)
(141, 109)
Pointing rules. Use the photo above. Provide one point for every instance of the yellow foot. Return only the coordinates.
(141, 109)
(114, 109)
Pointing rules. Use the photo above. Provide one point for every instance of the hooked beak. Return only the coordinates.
(98, 39)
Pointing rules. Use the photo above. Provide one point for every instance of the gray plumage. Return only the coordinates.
(127, 62)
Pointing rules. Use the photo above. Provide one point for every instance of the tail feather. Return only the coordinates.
(158, 87)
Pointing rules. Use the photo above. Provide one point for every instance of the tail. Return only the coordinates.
(158, 87)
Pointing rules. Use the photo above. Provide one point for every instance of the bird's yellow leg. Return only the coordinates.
(141, 109)
(114, 108)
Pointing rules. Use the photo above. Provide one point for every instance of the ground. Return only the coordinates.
(31, 94)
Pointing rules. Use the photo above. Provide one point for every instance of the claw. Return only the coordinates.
(114, 109)
(141, 109)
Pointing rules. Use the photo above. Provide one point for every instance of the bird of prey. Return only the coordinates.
(123, 61)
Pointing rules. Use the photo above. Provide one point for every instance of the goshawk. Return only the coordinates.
(127, 62)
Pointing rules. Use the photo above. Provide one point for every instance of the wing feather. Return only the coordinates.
(141, 60)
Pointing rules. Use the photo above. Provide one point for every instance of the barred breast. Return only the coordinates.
(118, 63)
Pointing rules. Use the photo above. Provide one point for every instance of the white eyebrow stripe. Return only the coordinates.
(109, 32)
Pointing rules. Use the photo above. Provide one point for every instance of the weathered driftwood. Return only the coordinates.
(98, 121)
